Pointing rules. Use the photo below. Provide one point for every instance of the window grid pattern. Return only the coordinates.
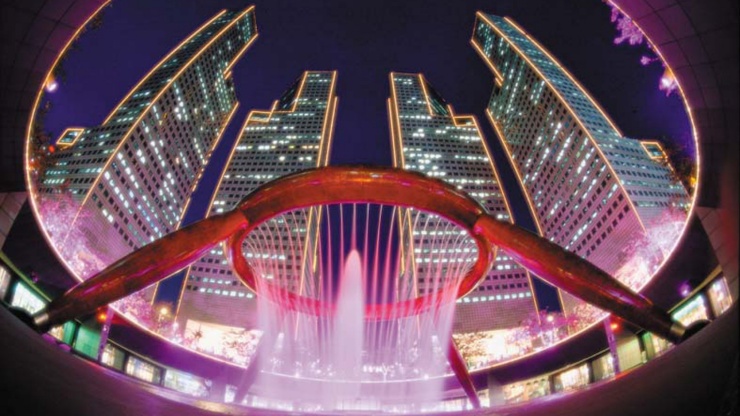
(291, 137)
(137, 170)
(590, 189)
(440, 144)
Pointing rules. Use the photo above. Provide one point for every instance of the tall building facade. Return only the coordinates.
(428, 137)
(295, 134)
(589, 188)
(134, 174)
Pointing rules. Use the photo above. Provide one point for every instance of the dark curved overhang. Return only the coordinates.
(34, 33)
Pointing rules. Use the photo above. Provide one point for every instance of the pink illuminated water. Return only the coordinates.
(358, 256)
(341, 359)
(346, 357)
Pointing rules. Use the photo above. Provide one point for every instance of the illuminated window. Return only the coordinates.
(692, 311)
(719, 296)
(24, 298)
(113, 357)
(572, 379)
(143, 370)
(4, 281)
(187, 383)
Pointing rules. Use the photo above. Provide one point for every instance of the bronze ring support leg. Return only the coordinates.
(139, 269)
(171, 253)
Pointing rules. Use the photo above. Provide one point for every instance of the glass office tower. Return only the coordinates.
(131, 177)
(589, 188)
(428, 137)
(295, 134)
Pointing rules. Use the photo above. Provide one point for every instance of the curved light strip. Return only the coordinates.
(39, 218)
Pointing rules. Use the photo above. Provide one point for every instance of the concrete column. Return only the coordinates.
(218, 389)
(612, 340)
(104, 331)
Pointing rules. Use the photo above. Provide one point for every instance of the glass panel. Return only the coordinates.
(692, 311)
(572, 379)
(660, 345)
(526, 390)
(142, 370)
(719, 296)
(4, 281)
(87, 342)
(187, 383)
(603, 367)
(24, 298)
(112, 357)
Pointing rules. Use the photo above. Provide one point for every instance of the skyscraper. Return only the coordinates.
(427, 136)
(589, 188)
(295, 134)
(133, 175)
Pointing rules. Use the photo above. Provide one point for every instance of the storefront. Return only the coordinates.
(603, 367)
(143, 370)
(527, 390)
(187, 383)
(572, 379)
(719, 296)
(26, 299)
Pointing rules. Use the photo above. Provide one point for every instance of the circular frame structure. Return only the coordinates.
(693, 104)
(333, 185)
(638, 10)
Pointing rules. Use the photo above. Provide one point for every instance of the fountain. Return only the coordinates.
(355, 361)
(378, 332)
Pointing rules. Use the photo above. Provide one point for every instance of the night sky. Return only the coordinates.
(364, 41)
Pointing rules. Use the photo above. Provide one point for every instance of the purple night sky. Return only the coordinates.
(364, 41)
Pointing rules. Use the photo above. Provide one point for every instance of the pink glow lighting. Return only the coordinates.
(645, 255)
(685, 289)
(234, 345)
(57, 212)
(627, 30)
(51, 84)
(539, 331)
(646, 60)
(668, 82)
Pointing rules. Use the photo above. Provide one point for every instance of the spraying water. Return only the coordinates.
(340, 359)
(345, 356)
